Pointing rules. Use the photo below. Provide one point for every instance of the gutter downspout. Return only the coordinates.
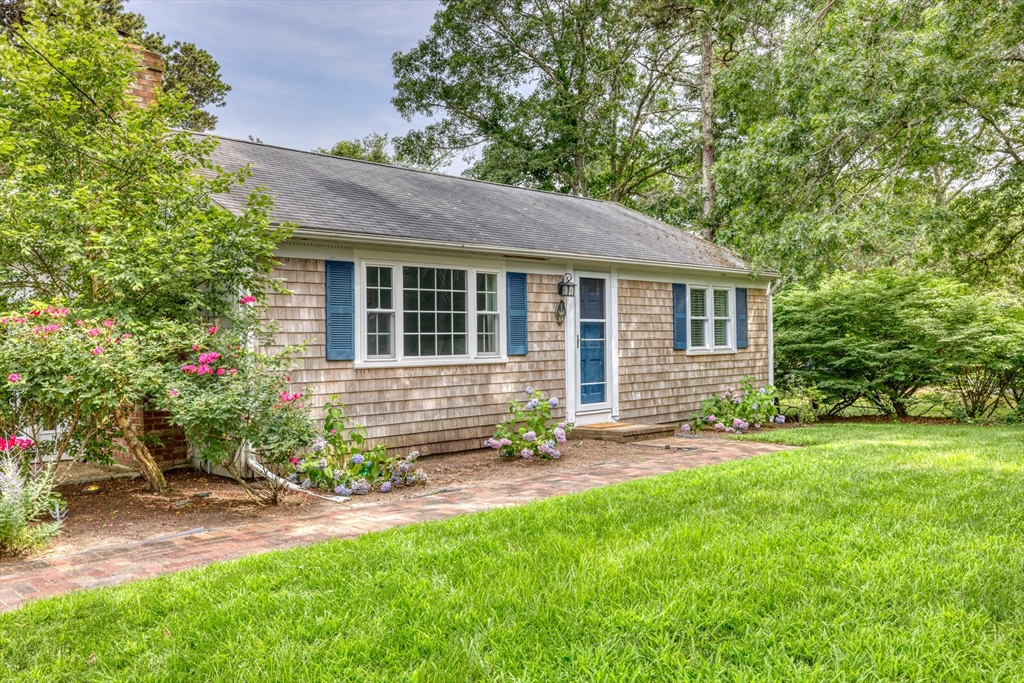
(258, 467)
(771, 334)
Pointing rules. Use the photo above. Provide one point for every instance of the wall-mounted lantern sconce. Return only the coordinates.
(567, 287)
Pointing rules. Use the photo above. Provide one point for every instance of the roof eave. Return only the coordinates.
(360, 238)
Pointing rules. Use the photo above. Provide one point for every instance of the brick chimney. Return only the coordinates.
(150, 78)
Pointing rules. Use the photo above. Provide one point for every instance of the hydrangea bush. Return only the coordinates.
(739, 410)
(341, 462)
(529, 431)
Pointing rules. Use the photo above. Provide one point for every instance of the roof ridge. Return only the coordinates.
(406, 168)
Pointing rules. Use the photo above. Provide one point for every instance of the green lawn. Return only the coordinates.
(882, 552)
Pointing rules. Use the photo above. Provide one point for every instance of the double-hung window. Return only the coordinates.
(487, 314)
(711, 318)
(418, 313)
(380, 312)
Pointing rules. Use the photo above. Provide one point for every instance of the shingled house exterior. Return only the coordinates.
(427, 301)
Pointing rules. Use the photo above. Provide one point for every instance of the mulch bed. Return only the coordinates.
(125, 512)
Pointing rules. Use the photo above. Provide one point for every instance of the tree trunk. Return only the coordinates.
(150, 470)
(707, 129)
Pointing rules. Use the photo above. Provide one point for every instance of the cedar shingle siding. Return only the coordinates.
(659, 384)
(434, 409)
(439, 409)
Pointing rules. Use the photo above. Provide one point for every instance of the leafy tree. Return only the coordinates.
(573, 97)
(374, 147)
(190, 71)
(100, 202)
(878, 133)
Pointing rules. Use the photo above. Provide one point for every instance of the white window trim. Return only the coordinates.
(709, 331)
(399, 360)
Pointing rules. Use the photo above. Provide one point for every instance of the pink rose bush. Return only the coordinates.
(529, 431)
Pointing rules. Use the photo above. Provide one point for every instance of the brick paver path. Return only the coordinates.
(26, 581)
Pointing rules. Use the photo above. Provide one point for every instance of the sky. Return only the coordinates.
(303, 73)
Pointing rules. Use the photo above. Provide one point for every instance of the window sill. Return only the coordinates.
(428, 362)
(709, 352)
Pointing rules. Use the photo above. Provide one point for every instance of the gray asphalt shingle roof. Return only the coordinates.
(354, 197)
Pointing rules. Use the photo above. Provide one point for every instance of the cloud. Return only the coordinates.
(304, 73)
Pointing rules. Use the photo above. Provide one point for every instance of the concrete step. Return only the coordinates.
(623, 432)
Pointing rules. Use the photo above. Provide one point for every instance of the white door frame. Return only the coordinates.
(609, 410)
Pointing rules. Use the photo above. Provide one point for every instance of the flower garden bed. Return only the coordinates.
(124, 511)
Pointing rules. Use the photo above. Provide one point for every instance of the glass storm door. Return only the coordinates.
(593, 341)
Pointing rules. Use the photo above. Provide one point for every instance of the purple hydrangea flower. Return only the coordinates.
(730, 430)
(505, 442)
(385, 487)
(529, 390)
(719, 427)
(342, 490)
(357, 459)
(780, 419)
(360, 487)
(761, 391)
(530, 436)
(319, 443)
(559, 435)
(556, 455)
(686, 428)
(757, 425)
(532, 405)
(561, 425)
(526, 453)
(712, 419)
(553, 402)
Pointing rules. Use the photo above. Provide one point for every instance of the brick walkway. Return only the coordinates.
(110, 566)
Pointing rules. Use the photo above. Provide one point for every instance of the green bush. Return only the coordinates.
(738, 410)
(883, 336)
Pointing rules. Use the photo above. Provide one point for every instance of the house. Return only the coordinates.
(428, 302)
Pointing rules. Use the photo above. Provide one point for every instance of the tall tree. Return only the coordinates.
(878, 133)
(190, 71)
(101, 205)
(575, 96)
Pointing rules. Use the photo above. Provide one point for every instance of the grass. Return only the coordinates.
(879, 552)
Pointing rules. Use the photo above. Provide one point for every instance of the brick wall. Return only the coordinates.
(173, 447)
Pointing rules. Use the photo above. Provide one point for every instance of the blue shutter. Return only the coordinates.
(515, 297)
(741, 318)
(340, 310)
(679, 317)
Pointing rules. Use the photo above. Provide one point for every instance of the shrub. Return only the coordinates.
(74, 377)
(529, 431)
(804, 403)
(737, 411)
(231, 399)
(26, 494)
(883, 336)
(340, 461)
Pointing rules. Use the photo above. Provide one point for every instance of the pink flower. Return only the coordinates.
(295, 461)
(173, 393)
(79, 322)
(97, 351)
(204, 369)
(232, 371)
(108, 323)
(94, 332)
(51, 328)
(126, 336)
(188, 369)
(195, 347)
(246, 300)
(220, 371)
(3, 321)
(14, 378)
(208, 357)
(35, 313)
(15, 442)
(213, 330)
(58, 312)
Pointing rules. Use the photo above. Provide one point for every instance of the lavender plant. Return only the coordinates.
(26, 495)
(529, 431)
